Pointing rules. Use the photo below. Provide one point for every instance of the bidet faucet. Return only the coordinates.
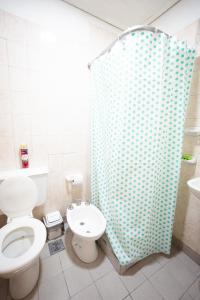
(70, 206)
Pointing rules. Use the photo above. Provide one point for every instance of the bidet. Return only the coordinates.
(87, 224)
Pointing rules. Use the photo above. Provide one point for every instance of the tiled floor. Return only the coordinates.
(157, 277)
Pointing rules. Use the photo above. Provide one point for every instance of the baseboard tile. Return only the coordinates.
(186, 249)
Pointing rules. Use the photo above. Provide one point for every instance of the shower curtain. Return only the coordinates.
(140, 92)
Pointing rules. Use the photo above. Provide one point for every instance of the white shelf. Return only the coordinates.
(25, 172)
(194, 131)
(190, 161)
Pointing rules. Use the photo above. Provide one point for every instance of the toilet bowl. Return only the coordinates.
(87, 224)
(22, 239)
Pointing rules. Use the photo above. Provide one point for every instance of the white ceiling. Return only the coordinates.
(124, 13)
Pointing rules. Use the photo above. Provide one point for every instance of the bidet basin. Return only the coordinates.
(194, 186)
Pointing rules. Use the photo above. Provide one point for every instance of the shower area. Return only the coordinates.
(140, 91)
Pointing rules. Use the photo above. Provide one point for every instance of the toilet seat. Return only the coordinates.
(11, 265)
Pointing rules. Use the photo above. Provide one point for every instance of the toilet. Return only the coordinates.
(23, 237)
(87, 224)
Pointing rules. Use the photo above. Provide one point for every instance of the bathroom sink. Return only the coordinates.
(194, 185)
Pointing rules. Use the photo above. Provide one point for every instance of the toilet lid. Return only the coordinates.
(18, 196)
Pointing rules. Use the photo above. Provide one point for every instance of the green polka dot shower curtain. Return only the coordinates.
(140, 93)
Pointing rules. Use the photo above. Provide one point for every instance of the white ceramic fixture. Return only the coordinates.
(87, 224)
(23, 237)
(194, 131)
(192, 161)
(194, 185)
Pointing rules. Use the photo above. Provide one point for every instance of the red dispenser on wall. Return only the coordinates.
(24, 156)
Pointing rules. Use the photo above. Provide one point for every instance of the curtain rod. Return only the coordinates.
(124, 33)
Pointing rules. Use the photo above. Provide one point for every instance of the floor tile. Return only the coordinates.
(163, 259)
(149, 266)
(50, 267)
(167, 285)
(65, 260)
(133, 278)
(111, 288)
(146, 291)
(194, 290)
(100, 267)
(87, 294)
(34, 295)
(128, 298)
(54, 288)
(180, 272)
(77, 279)
(186, 296)
(45, 252)
(190, 264)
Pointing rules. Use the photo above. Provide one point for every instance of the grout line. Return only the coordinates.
(155, 288)
(189, 288)
(80, 291)
(150, 23)
(98, 291)
(11, 105)
(66, 282)
(108, 272)
(123, 284)
(147, 277)
(94, 16)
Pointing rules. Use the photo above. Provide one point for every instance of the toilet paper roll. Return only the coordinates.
(77, 179)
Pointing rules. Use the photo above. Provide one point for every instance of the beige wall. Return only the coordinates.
(44, 97)
(187, 218)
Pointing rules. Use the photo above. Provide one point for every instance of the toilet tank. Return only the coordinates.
(38, 175)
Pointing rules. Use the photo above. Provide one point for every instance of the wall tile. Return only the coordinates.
(38, 101)
(15, 27)
(193, 109)
(44, 94)
(2, 24)
(33, 31)
(75, 143)
(34, 80)
(38, 123)
(54, 194)
(3, 52)
(18, 79)
(7, 157)
(40, 152)
(5, 103)
(55, 123)
(74, 163)
(6, 125)
(195, 85)
(22, 124)
(55, 164)
(34, 56)
(3, 78)
(17, 53)
(55, 144)
(21, 102)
